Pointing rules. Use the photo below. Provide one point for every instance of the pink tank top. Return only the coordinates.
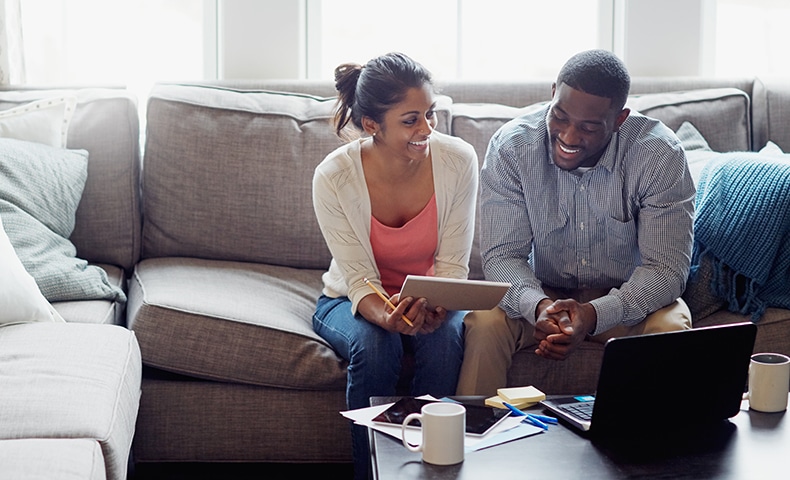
(407, 250)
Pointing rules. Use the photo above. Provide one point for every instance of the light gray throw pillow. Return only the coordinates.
(40, 189)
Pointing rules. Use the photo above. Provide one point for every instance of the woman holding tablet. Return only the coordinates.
(397, 200)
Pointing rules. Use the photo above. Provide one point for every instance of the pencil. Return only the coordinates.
(387, 301)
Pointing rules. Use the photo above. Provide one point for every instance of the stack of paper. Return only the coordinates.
(519, 397)
(509, 429)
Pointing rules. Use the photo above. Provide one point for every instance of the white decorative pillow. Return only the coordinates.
(20, 299)
(43, 121)
(698, 152)
(771, 148)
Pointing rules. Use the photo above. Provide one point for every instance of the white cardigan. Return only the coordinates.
(342, 207)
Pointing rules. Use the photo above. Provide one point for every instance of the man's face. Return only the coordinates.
(580, 126)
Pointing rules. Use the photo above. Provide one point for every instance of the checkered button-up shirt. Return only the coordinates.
(624, 225)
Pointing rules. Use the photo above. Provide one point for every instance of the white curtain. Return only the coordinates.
(12, 62)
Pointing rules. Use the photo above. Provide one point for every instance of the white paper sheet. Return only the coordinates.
(507, 430)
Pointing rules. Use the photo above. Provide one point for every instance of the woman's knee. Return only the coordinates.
(452, 328)
(376, 346)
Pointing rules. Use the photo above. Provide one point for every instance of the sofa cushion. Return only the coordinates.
(105, 123)
(771, 107)
(722, 115)
(40, 188)
(49, 458)
(202, 421)
(699, 295)
(97, 311)
(71, 381)
(577, 373)
(250, 157)
(773, 329)
(476, 123)
(233, 322)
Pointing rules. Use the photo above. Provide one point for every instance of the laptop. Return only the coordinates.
(684, 378)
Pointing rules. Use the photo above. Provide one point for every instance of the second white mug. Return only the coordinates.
(769, 381)
(443, 430)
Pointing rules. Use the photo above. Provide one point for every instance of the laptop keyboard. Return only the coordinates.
(581, 410)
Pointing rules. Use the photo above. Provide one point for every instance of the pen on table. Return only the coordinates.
(533, 418)
(544, 418)
(387, 301)
(534, 421)
(513, 409)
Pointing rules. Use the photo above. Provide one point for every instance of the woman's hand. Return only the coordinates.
(415, 311)
(376, 311)
(421, 314)
(433, 319)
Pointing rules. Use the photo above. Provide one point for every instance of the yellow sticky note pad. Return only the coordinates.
(518, 395)
(496, 402)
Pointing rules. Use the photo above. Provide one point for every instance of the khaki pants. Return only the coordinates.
(491, 339)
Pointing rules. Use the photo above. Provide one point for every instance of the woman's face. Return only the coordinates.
(407, 126)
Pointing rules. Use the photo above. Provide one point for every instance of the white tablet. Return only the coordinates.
(454, 293)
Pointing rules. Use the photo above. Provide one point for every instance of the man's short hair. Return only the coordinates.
(597, 72)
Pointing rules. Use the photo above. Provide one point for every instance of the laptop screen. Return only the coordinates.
(697, 376)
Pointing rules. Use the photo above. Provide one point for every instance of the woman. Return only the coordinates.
(398, 200)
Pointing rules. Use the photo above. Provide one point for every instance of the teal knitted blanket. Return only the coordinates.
(742, 223)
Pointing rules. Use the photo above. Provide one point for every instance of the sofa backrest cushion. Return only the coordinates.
(530, 91)
(722, 115)
(106, 124)
(771, 105)
(476, 123)
(228, 174)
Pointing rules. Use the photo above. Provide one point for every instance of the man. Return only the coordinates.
(587, 209)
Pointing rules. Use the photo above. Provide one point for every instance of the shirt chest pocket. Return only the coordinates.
(621, 241)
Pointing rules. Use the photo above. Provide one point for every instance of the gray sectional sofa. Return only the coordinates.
(70, 392)
(211, 235)
(231, 257)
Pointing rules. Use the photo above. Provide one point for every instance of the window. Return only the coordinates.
(752, 37)
(465, 39)
(112, 42)
(137, 42)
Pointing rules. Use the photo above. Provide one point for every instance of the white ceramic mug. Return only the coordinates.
(769, 381)
(443, 430)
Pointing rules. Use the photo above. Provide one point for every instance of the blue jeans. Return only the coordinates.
(374, 361)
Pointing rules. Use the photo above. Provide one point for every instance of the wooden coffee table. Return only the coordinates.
(751, 445)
